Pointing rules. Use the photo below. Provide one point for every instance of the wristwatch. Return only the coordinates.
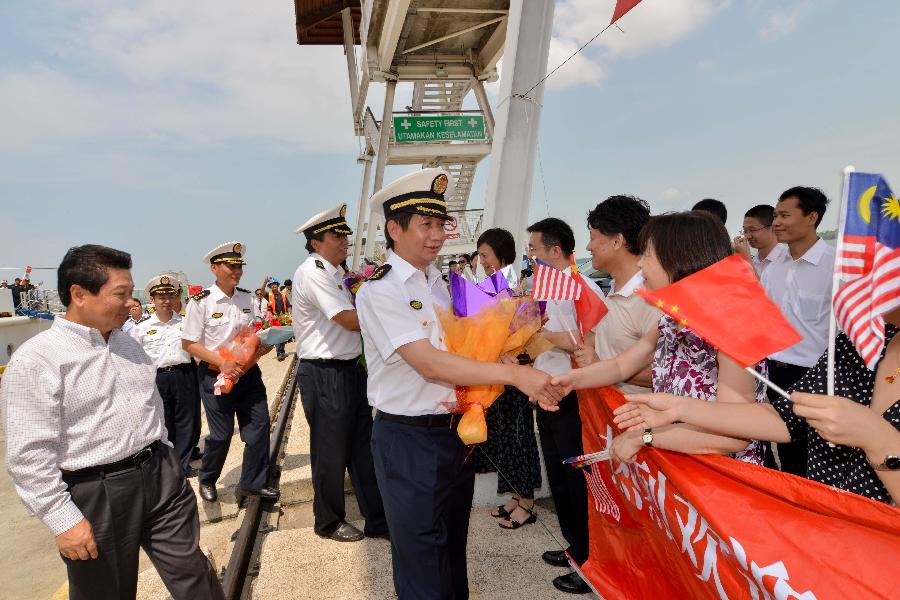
(890, 463)
(647, 437)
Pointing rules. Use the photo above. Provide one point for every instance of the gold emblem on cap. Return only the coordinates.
(164, 280)
(439, 185)
(343, 210)
(237, 248)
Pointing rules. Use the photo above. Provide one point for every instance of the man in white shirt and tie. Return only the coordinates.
(425, 480)
(799, 282)
(87, 445)
(332, 382)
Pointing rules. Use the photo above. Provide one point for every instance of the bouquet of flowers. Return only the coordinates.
(273, 320)
(486, 321)
(242, 348)
(354, 279)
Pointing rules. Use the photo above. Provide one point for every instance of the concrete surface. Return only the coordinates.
(503, 565)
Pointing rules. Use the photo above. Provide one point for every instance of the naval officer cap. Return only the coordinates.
(229, 252)
(161, 284)
(331, 220)
(421, 193)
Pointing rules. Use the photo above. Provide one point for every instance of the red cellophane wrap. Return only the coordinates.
(509, 326)
(243, 349)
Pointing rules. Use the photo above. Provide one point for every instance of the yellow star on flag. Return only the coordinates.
(660, 304)
(683, 322)
(675, 308)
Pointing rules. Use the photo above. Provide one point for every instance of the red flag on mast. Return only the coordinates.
(622, 7)
(726, 306)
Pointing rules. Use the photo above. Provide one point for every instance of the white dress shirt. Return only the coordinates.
(561, 316)
(389, 319)
(802, 289)
(509, 271)
(318, 295)
(161, 341)
(260, 306)
(128, 325)
(775, 255)
(70, 401)
(215, 318)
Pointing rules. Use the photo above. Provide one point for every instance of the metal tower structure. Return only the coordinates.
(447, 49)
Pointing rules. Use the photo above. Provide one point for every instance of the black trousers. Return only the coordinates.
(247, 401)
(150, 507)
(340, 425)
(181, 408)
(427, 486)
(793, 455)
(560, 434)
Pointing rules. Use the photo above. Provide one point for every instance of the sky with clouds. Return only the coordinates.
(164, 128)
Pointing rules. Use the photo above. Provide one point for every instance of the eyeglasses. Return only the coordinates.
(751, 230)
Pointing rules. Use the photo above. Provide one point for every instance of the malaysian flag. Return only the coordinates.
(552, 284)
(868, 262)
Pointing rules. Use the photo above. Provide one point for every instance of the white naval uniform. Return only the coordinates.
(388, 321)
(318, 295)
(215, 317)
(161, 341)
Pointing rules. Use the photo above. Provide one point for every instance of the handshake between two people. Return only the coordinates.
(542, 388)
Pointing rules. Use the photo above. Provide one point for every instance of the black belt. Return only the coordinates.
(171, 368)
(783, 365)
(132, 462)
(448, 420)
(327, 362)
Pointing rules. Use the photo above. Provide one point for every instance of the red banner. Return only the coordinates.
(675, 525)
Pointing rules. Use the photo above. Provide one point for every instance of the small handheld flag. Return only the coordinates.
(589, 307)
(714, 303)
(869, 260)
(552, 284)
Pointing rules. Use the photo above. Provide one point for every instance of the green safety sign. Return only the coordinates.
(443, 128)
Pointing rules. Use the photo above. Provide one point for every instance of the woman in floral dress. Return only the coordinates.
(674, 246)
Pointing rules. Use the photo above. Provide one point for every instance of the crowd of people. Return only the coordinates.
(97, 416)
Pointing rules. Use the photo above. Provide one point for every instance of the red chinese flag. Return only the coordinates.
(622, 7)
(589, 308)
(715, 303)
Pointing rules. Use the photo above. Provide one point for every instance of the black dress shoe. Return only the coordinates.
(208, 492)
(571, 584)
(346, 532)
(557, 558)
(196, 454)
(266, 493)
(191, 472)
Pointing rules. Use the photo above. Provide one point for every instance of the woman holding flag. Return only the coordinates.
(673, 247)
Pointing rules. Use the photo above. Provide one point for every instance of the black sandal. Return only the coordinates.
(502, 513)
(532, 517)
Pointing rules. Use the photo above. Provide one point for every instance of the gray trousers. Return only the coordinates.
(151, 507)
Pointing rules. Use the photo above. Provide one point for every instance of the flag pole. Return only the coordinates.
(836, 276)
(768, 383)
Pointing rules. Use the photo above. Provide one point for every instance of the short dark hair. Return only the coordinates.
(501, 242)
(763, 213)
(809, 199)
(686, 242)
(319, 237)
(463, 257)
(288, 282)
(473, 256)
(88, 266)
(452, 262)
(555, 232)
(625, 215)
(713, 206)
(402, 219)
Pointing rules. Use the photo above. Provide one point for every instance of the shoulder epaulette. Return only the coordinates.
(319, 264)
(200, 296)
(151, 309)
(144, 319)
(379, 272)
(240, 289)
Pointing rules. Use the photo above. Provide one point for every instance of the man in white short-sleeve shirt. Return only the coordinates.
(425, 480)
(332, 382)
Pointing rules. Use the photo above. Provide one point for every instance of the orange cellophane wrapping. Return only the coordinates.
(242, 348)
(485, 337)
